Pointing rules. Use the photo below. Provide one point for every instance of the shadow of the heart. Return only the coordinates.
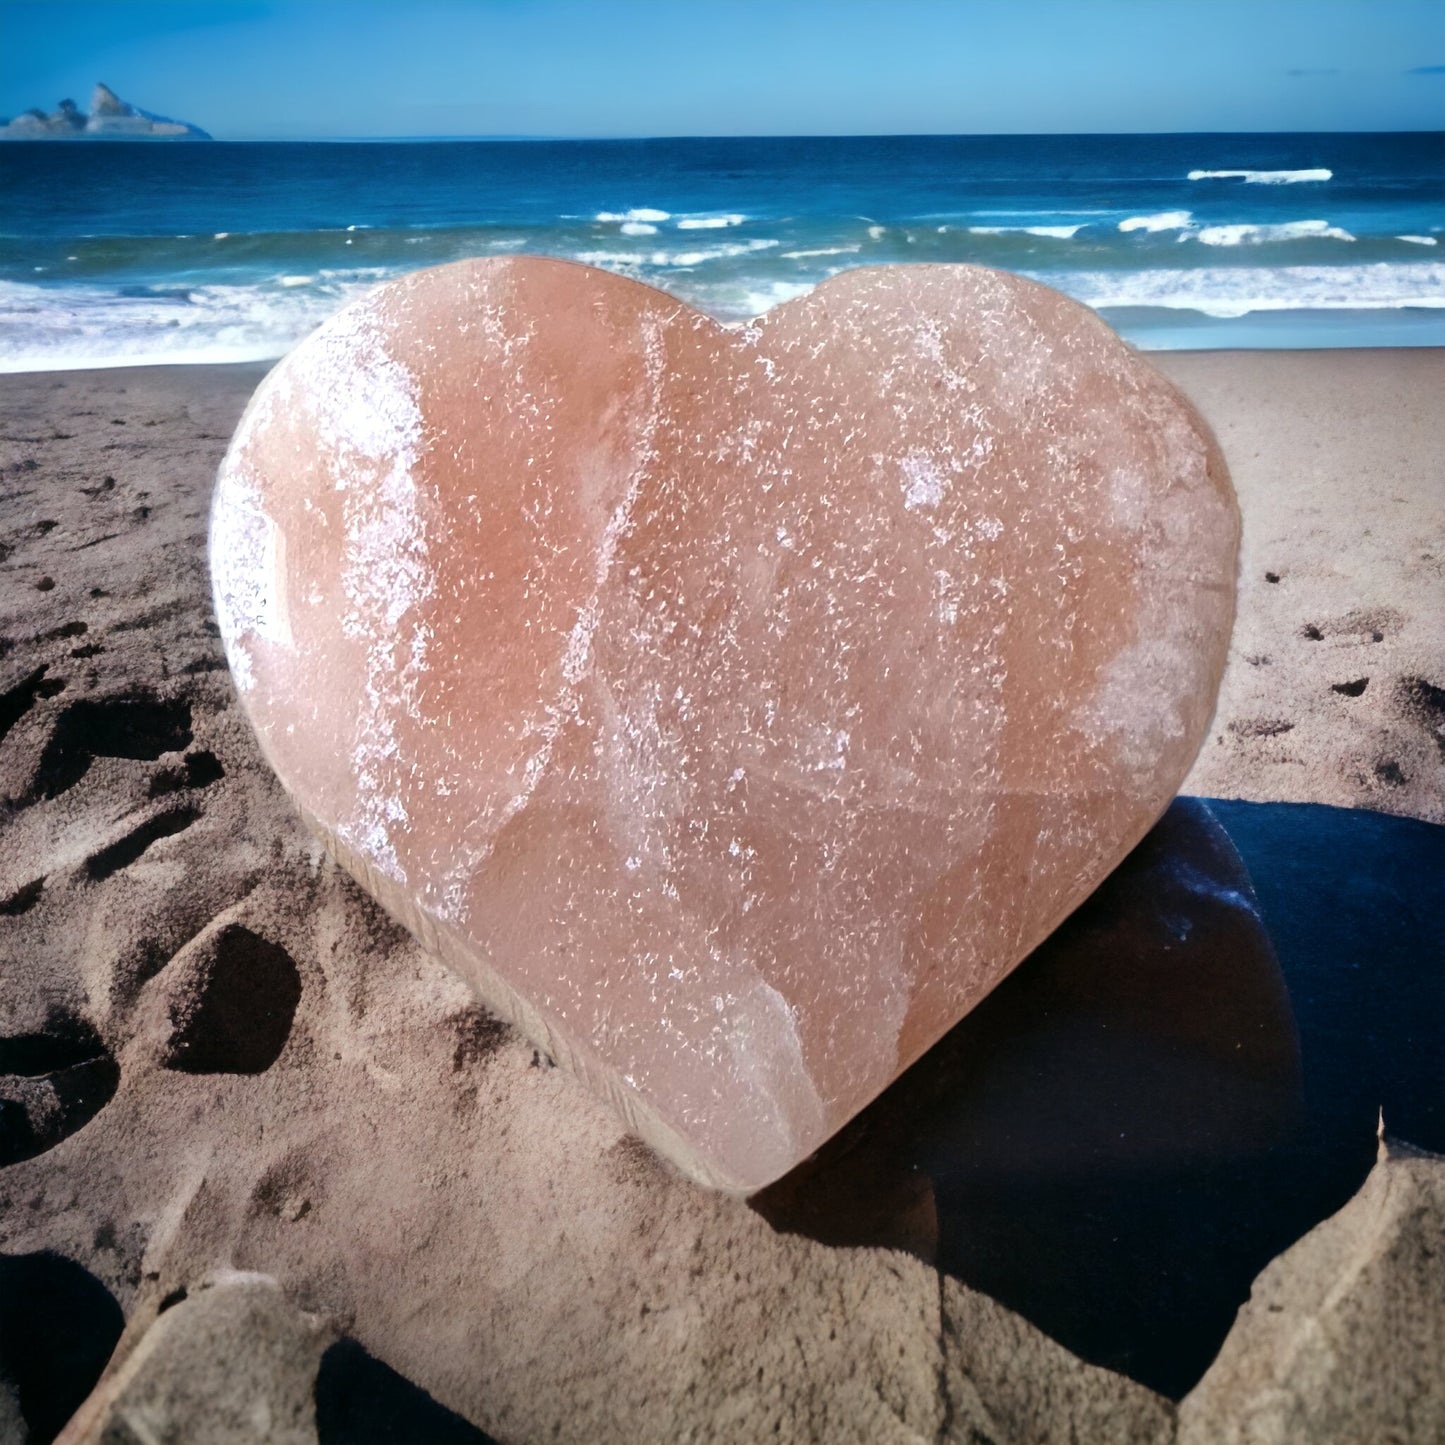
(1063, 1146)
(1127, 1131)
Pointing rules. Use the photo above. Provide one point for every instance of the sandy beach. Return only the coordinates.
(225, 1063)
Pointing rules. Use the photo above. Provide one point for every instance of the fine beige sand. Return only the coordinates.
(1333, 692)
(233, 1069)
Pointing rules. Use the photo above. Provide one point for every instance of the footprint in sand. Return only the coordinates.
(122, 853)
(1364, 624)
(52, 1083)
(17, 700)
(199, 770)
(134, 725)
(230, 1000)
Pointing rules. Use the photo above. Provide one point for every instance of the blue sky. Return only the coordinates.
(318, 68)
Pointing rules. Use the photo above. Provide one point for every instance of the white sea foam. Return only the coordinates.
(637, 213)
(711, 253)
(744, 303)
(1161, 221)
(1056, 233)
(1265, 178)
(1254, 235)
(1231, 291)
(612, 260)
(820, 251)
(638, 228)
(1013, 213)
(709, 223)
(1418, 240)
(46, 328)
(630, 260)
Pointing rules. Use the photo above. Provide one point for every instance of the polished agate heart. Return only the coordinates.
(733, 708)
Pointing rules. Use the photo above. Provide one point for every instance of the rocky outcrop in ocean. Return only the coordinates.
(110, 117)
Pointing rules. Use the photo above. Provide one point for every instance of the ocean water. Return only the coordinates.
(145, 252)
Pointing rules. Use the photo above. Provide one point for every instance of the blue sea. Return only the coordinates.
(153, 252)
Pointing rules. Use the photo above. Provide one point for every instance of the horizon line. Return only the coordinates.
(530, 139)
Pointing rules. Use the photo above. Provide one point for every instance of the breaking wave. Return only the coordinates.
(709, 223)
(1163, 221)
(1057, 233)
(637, 213)
(821, 251)
(1254, 235)
(1265, 178)
(46, 327)
(1233, 291)
(624, 260)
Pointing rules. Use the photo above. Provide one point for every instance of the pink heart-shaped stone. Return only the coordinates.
(733, 708)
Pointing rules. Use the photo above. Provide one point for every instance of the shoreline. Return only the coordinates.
(1151, 330)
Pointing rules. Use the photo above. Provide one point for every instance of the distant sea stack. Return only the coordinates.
(110, 118)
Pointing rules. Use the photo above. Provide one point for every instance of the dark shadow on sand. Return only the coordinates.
(362, 1401)
(58, 1326)
(1179, 1084)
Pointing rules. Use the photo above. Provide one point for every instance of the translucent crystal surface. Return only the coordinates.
(734, 708)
